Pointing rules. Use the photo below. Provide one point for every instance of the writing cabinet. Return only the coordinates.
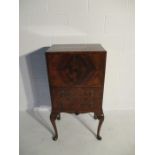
(76, 74)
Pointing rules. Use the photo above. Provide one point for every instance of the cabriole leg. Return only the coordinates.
(53, 117)
(101, 119)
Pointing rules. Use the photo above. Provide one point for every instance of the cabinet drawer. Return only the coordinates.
(74, 99)
(76, 69)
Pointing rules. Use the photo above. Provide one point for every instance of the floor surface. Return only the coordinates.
(77, 134)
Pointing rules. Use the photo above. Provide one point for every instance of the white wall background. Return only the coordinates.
(46, 22)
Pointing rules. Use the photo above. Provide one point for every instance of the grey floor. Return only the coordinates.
(77, 134)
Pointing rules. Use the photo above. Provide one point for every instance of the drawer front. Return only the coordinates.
(76, 69)
(76, 99)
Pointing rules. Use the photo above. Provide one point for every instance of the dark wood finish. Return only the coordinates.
(53, 118)
(76, 75)
(101, 119)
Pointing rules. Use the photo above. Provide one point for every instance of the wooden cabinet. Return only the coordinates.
(76, 75)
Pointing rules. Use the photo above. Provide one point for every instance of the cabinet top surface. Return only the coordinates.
(76, 48)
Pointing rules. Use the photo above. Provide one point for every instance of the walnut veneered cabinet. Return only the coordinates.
(76, 75)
